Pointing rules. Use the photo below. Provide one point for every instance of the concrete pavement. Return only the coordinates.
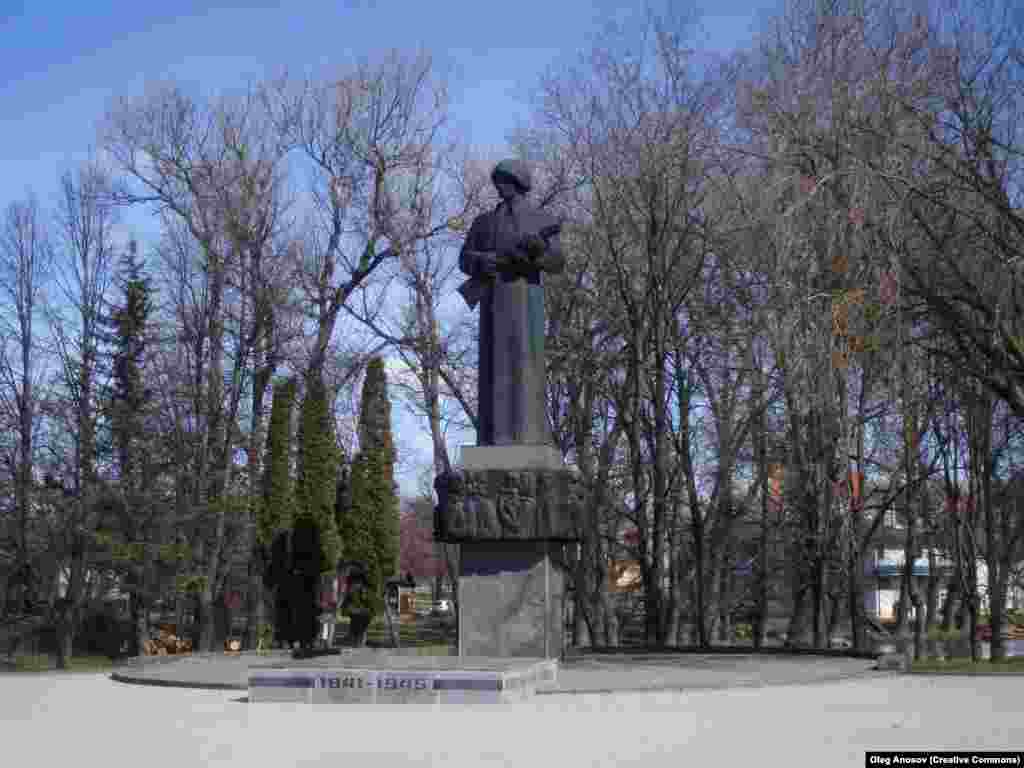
(73, 719)
(589, 673)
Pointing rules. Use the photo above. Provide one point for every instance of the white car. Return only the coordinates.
(443, 606)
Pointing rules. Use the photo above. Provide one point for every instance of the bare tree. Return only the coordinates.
(638, 130)
(583, 350)
(214, 171)
(367, 140)
(25, 261)
(85, 269)
(818, 123)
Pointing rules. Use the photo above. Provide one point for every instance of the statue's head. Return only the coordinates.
(511, 178)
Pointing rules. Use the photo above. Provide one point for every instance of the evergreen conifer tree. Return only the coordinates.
(368, 520)
(127, 404)
(318, 470)
(277, 508)
(129, 396)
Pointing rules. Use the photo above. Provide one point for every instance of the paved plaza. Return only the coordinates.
(75, 719)
(590, 673)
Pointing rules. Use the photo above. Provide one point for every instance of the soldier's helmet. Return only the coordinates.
(516, 170)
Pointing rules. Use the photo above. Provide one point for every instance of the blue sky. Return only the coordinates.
(61, 64)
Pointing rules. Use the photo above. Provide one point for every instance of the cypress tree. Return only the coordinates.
(277, 510)
(318, 470)
(368, 522)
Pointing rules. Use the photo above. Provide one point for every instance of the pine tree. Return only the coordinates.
(368, 522)
(129, 396)
(127, 405)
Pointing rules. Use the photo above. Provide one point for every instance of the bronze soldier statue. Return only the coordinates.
(505, 254)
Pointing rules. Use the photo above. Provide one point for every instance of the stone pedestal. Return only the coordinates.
(511, 508)
(511, 597)
(366, 678)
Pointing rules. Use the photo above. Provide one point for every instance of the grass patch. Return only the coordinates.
(424, 632)
(46, 663)
(435, 650)
(1013, 665)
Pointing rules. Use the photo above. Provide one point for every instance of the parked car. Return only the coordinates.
(442, 606)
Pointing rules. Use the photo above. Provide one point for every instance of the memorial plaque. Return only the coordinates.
(279, 686)
(470, 687)
(398, 680)
(352, 686)
(406, 688)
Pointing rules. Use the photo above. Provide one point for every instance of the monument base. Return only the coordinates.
(511, 597)
(371, 679)
(511, 509)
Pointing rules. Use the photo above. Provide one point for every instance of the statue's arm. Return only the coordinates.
(553, 260)
(472, 257)
(470, 260)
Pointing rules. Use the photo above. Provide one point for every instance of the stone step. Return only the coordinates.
(400, 680)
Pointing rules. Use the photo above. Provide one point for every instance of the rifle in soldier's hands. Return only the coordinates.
(529, 251)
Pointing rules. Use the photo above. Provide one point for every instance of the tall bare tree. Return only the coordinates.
(25, 261)
(638, 132)
(367, 139)
(86, 219)
(213, 170)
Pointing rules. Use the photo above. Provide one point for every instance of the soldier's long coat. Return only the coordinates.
(512, 404)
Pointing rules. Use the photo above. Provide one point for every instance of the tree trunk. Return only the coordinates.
(140, 623)
(254, 593)
(818, 606)
(223, 617)
(255, 603)
(952, 590)
(821, 514)
(179, 616)
(207, 622)
(931, 591)
(675, 618)
(907, 591)
(725, 600)
(70, 612)
(65, 644)
(855, 578)
(612, 626)
(582, 634)
(972, 615)
(795, 631)
(997, 611)
(589, 612)
(915, 599)
(761, 624)
(713, 606)
(834, 615)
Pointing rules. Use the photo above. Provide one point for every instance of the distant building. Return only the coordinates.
(884, 565)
